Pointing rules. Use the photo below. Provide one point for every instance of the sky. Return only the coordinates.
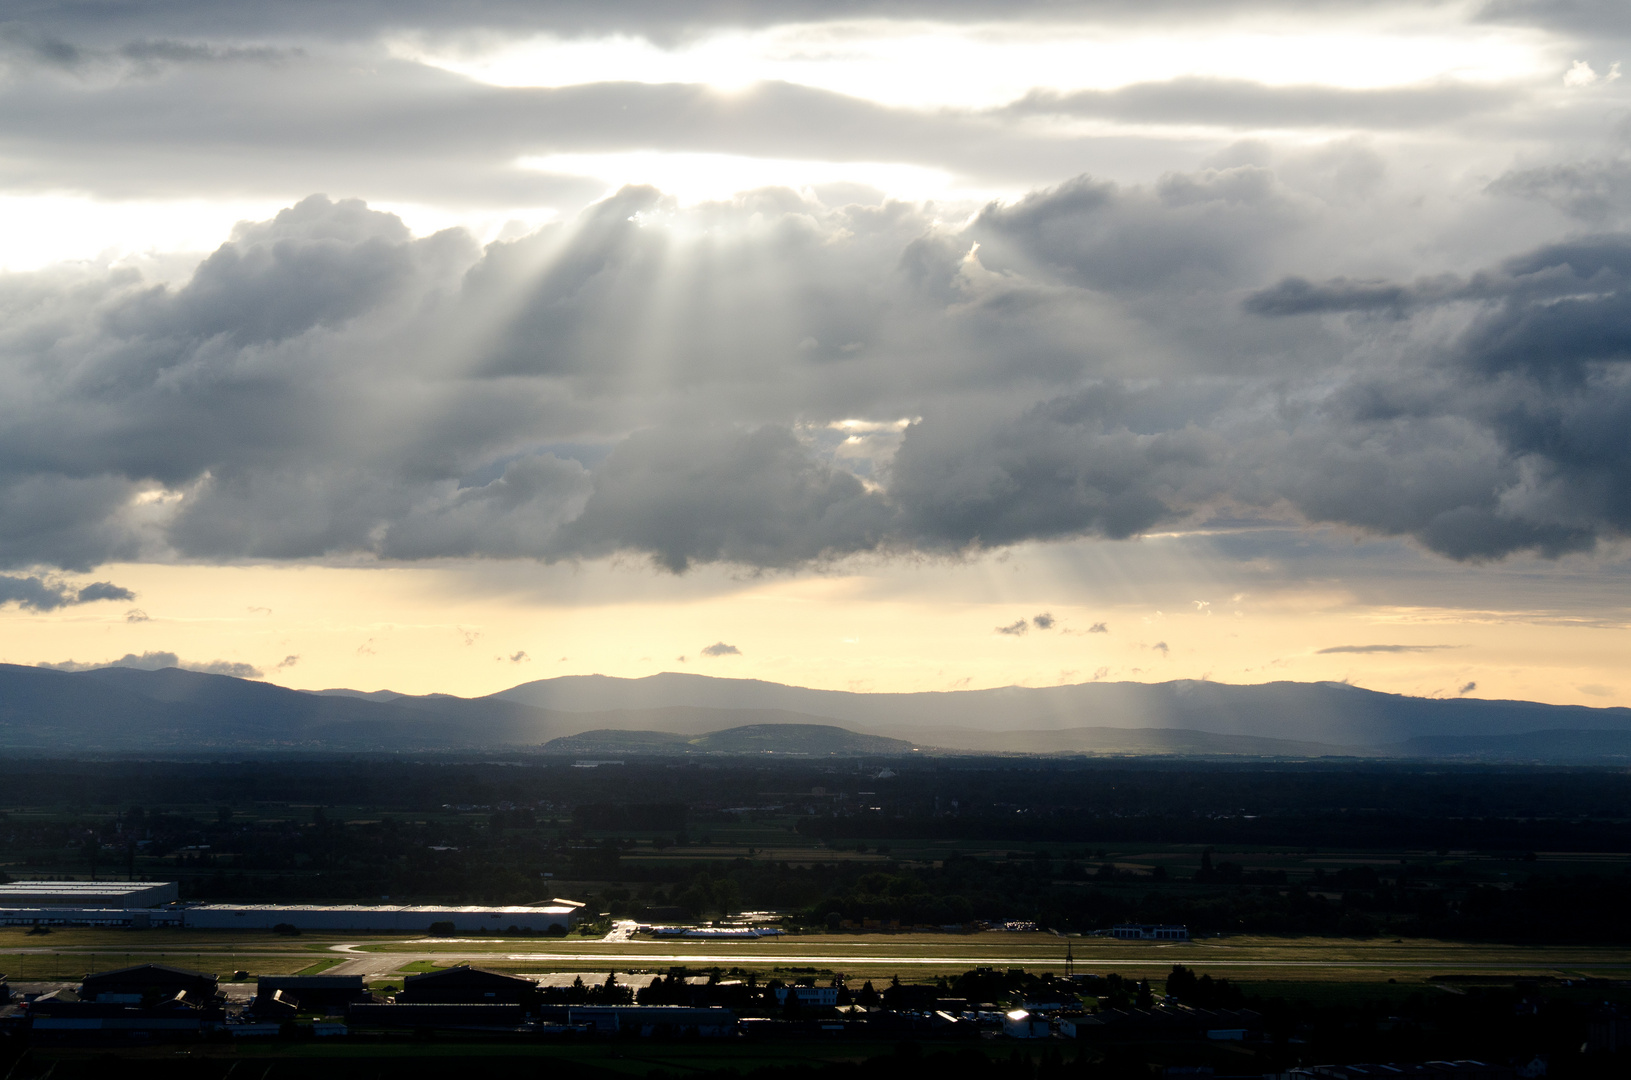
(891, 346)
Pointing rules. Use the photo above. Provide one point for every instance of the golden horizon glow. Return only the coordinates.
(475, 628)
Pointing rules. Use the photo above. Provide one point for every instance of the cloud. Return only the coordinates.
(157, 661)
(753, 497)
(1381, 649)
(1099, 628)
(44, 594)
(136, 615)
(288, 661)
(103, 590)
(1161, 647)
(1579, 74)
(326, 384)
(719, 648)
(1596, 190)
(1015, 629)
(519, 657)
(147, 661)
(1467, 688)
(1504, 434)
(1043, 621)
(1232, 102)
(227, 667)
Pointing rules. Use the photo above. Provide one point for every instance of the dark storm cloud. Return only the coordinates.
(103, 590)
(1298, 296)
(40, 594)
(1065, 467)
(1091, 360)
(1511, 436)
(1185, 228)
(755, 498)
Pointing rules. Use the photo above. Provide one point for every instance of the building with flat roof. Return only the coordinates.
(401, 918)
(88, 894)
(1149, 932)
(57, 915)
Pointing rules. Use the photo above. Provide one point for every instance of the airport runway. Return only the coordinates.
(870, 957)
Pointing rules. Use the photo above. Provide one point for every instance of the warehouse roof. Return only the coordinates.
(87, 893)
(471, 909)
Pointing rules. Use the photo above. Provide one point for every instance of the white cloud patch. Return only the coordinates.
(158, 661)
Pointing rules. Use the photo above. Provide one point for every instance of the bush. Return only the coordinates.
(284, 929)
(441, 929)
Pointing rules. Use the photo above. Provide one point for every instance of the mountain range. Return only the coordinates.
(123, 710)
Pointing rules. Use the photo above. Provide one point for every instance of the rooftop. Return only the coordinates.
(532, 909)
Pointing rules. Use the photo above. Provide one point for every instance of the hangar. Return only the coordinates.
(400, 918)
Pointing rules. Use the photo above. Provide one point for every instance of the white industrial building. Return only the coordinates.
(404, 918)
(87, 894)
(137, 904)
(63, 915)
(1149, 932)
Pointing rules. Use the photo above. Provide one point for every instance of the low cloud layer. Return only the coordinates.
(1368, 649)
(157, 661)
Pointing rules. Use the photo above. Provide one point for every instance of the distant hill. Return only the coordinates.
(121, 710)
(804, 739)
(1333, 714)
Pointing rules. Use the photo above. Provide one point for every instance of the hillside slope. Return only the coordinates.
(1330, 713)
